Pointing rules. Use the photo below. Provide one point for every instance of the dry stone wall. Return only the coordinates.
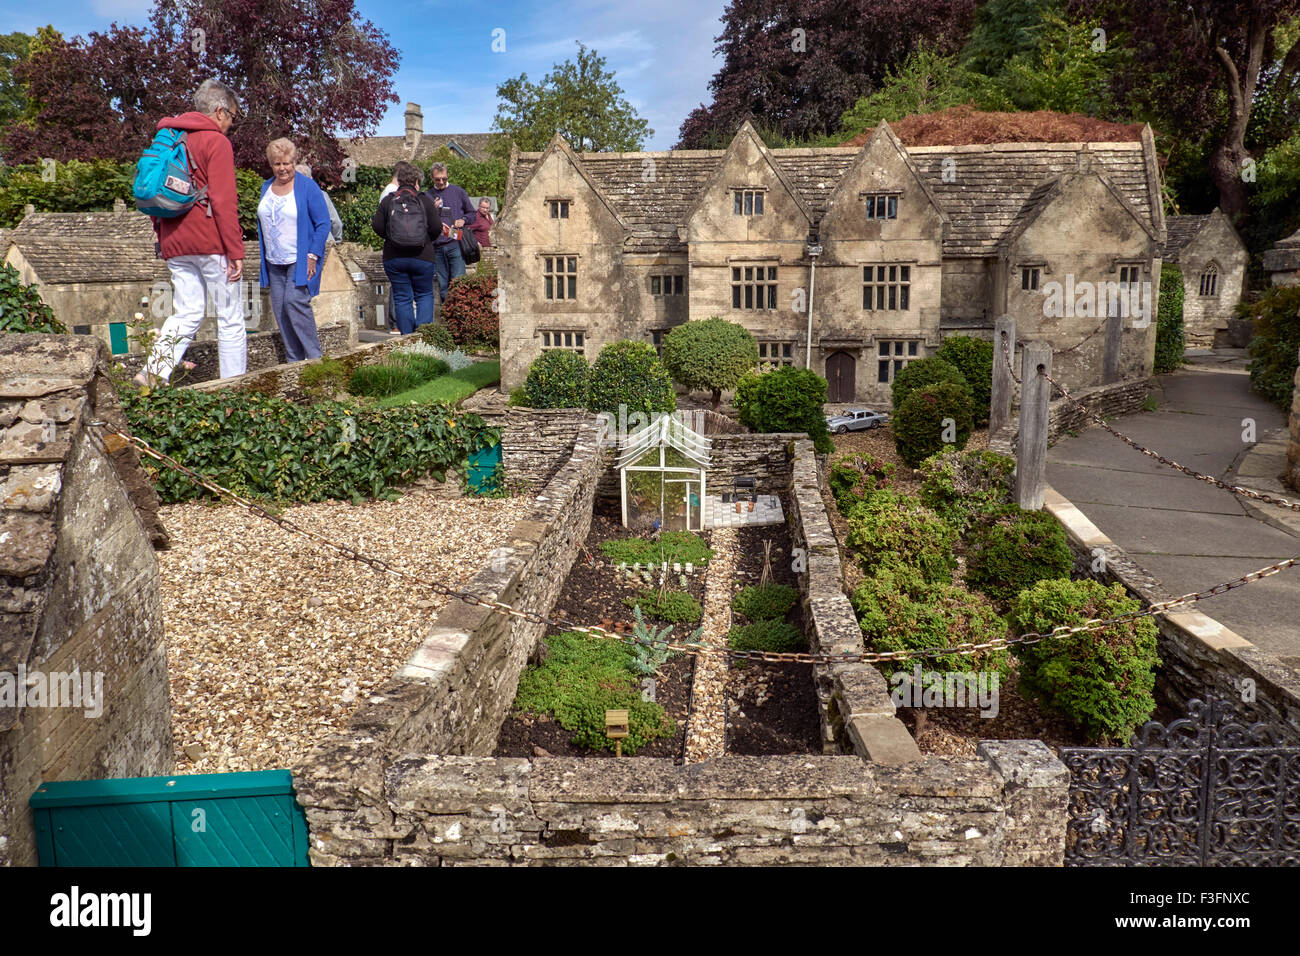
(1002, 808)
(79, 605)
(1292, 475)
(1122, 398)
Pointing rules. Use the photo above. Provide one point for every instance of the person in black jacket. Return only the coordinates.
(410, 267)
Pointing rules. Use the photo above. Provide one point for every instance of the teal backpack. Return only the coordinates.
(164, 185)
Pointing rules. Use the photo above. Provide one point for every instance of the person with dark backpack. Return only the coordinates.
(408, 222)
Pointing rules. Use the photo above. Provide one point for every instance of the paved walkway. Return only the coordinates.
(1190, 534)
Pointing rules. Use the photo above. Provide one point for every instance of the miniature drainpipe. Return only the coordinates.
(813, 249)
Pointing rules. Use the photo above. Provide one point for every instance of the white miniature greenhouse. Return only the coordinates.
(661, 471)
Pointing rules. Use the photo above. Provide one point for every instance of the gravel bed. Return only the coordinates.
(706, 733)
(273, 639)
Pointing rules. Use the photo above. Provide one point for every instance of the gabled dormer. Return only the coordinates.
(559, 204)
(882, 196)
(747, 198)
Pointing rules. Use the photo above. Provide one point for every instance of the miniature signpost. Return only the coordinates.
(616, 728)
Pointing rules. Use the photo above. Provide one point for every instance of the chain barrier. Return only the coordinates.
(1210, 479)
(798, 657)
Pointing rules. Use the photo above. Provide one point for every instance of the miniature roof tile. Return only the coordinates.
(987, 189)
(1180, 231)
(387, 150)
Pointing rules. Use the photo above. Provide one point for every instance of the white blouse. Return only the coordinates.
(279, 218)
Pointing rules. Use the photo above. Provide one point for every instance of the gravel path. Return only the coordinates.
(272, 640)
(706, 733)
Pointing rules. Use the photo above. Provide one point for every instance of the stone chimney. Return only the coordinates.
(414, 126)
(119, 207)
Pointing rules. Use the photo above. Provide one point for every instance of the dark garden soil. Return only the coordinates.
(771, 708)
(594, 593)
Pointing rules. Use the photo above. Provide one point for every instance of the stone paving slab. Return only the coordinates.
(1166, 490)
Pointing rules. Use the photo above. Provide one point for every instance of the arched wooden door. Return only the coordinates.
(840, 371)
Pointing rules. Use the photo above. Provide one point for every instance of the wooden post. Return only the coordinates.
(1004, 330)
(1031, 455)
(1114, 344)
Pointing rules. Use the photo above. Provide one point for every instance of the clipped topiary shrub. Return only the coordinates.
(854, 478)
(965, 487)
(923, 372)
(930, 419)
(580, 679)
(1274, 349)
(772, 602)
(785, 400)
(893, 531)
(629, 373)
(1016, 552)
(898, 613)
(710, 355)
(1169, 320)
(1102, 681)
(773, 635)
(470, 312)
(21, 308)
(674, 606)
(437, 335)
(558, 378)
(974, 359)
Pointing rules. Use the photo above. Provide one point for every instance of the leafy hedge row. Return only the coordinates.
(267, 447)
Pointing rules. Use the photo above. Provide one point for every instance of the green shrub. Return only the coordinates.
(964, 487)
(890, 530)
(1102, 680)
(709, 355)
(922, 372)
(470, 312)
(21, 308)
(772, 602)
(899, 613)
(424, 367)
(398, 372)
(974, 359)
(672, 546)
(1274, 349)
(558, 378)
(786, 399)
(927, 417)
(649, 653)
(854, 478)
(581, 678)
(267, 447)
(629, 373)
(776, 636)
(324, 379)
(674, 606)
(1016, 552)
(1169, 320)
(519, 398)
(437, 335)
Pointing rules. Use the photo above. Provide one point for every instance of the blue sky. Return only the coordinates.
(661, 53)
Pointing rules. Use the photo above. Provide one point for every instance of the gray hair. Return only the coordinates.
(304, 169)
(213, 95)
(437, 168)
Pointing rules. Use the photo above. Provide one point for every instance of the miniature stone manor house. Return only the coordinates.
(874, 254)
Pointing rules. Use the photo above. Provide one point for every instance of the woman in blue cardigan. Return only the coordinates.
(292, 223)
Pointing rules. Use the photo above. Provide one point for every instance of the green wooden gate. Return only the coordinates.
(211, 819)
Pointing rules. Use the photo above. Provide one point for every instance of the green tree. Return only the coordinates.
(13, 98)
(580, 101)
(1068, 71)
(710, 355)
(1004, 29)
(786, 399)
(630, 373)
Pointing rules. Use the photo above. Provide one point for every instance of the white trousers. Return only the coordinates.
(195, 279)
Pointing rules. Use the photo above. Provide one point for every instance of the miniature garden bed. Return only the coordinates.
(946, 729)
(771, 707)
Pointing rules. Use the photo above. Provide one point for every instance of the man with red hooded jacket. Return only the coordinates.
(204, 248)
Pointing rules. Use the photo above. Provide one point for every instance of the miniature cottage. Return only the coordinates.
(1213, 261)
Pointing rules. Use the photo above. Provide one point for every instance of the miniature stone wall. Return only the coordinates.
(265, 349)
(1121, 398)
(282, 380)
(1198, 654)
(1005, 807)
(79, 605)
(1292, 474)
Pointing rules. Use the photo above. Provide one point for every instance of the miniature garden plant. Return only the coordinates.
(675, 547)
(672, 606)
(770, 602)
(773, 636)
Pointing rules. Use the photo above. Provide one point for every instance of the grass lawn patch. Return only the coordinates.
(672, 546)
(452, 387)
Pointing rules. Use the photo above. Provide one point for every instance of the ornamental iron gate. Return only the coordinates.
(1208, 790)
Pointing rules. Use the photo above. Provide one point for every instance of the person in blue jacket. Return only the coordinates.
(292, 224)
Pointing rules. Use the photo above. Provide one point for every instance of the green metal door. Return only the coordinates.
(212, 819)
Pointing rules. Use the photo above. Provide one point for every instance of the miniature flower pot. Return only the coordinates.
(739, 506)
(751, 506)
